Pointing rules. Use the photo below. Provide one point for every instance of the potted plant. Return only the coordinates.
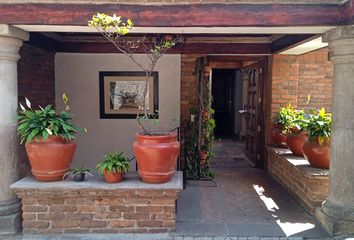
(78, 173)
(296, 139)
(203, 154)
(156, 152)
(113, 167)
(318, 127)
(283, 125)
(49, 140)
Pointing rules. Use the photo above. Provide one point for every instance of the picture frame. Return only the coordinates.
(121, 91)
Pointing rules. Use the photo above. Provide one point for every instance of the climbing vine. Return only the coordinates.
(200, 137)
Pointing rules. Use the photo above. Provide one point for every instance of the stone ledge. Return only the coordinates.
(307, 184)
(301, 163)
(131, 182)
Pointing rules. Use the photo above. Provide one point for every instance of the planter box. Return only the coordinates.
(94, 206)
(307, 184)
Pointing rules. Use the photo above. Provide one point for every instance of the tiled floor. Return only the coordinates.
(243, 201)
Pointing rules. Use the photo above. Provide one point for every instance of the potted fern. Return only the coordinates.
(156, 152)
(78, 173)
(318, 127)
(49, 139)
(113, 167)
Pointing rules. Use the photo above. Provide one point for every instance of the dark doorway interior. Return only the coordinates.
(227, 93)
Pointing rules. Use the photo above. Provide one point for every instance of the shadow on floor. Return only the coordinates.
(245, 202)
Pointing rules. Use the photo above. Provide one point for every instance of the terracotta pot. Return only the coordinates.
(279, 138)
(113, 177)
(203, 155)
(156, 156)
(317, 155)
(50, 159)
(295, 141)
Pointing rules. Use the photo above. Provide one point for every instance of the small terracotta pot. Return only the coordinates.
(317, 155)
(203, 155)
(79, 177)
(113, 177)
(295, 141)
(50, 159)
(279, 138)
(156, 156)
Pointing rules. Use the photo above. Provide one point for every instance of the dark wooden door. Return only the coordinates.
(254, 113)
(222, 92)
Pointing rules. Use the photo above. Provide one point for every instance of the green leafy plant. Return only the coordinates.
(114, 162)
(78, 170)
(36, 124)
(288, 119)
(317, 124)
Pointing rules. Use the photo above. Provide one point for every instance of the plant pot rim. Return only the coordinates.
(157, 135)
(51, 139)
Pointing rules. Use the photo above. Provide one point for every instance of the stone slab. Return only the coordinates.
(10, 224)
(201, 229)
(301, 163)
(333, 225)
(131, 182)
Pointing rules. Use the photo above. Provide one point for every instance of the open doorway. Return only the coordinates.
(237, 88)
(227, 92)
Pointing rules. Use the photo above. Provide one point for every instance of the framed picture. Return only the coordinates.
(122, 92)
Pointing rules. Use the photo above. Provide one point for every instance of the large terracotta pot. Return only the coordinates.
(317, 155)
(50, 159)
(156, 156)
(295, 141)
(279, 138)
(113, 177)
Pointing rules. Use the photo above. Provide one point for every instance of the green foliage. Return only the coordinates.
(288, 117)
(114, 29)
(78, 170)
(45, 122)
(113, 23)
(317, 124)
(114, 162)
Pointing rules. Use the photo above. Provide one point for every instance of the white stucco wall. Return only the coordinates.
(77, 76)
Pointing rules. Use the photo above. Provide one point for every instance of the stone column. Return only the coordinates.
(337, 212)
(10, 42)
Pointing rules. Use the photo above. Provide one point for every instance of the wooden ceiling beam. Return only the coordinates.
(289, 41)
(193, 15)
(184, 48)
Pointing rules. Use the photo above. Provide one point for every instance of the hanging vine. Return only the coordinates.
(201, 129)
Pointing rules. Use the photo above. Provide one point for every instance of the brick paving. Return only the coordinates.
(246, 202)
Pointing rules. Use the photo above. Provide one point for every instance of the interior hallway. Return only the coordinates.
(244, 201)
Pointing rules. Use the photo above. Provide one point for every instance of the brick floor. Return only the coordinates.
(243, 201)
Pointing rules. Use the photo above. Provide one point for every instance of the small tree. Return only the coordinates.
(114, 29)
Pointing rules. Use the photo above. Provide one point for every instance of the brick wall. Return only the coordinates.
(189, 83)
(308, 185)
(295, 77)
(36, 79)
(98, 211)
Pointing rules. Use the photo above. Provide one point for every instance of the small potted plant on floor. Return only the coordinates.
(156, 152)
(283, 125)
(113, 167)
(49, 140)
(318, 127)
(78, 173)
(296, 139)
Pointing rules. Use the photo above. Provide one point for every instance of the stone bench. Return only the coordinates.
(307, 184)
(94, 206)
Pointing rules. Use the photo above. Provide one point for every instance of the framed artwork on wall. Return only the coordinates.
(121, 93)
